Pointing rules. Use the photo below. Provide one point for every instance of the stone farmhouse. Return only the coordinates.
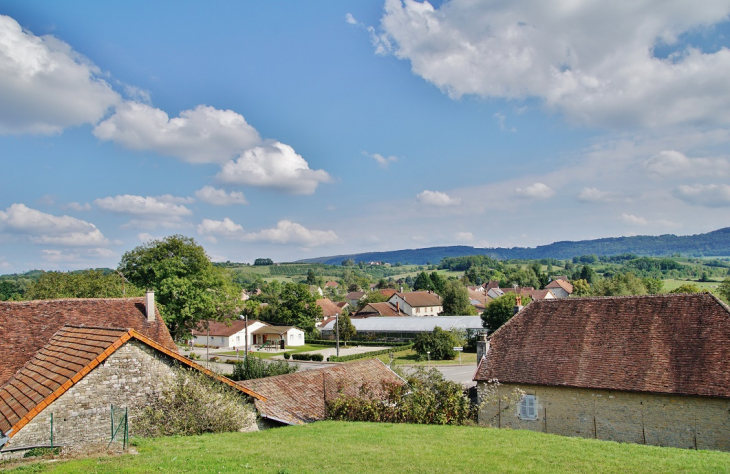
(640, 369)
(417, 303)
(230, 335)
(67, 362)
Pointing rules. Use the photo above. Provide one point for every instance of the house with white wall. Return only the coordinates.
(228, 334)
(289, 335)
(417, 303)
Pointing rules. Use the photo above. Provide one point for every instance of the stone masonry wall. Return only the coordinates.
(82, 415)
(662, 420)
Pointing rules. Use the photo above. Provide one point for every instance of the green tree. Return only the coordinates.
(348, 263)
(619, 285)
(296, 307)
(347, 329)
(10, 290)
(83, 284)
(653, 286)
(374, 297)
(687, 288)
(188, 288)
(581, 288)
(500, 310)
(724, 289)
(423, 282)
(438, 282)
(263, 262)
(456, 301)
(439, 343)
(311, 277)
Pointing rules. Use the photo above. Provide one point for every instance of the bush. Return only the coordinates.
(439, 343)
(301, 356)
(287, 356)
(214, 359)
(366, 355)
(255, 368)
(317, 357)
(192, 404)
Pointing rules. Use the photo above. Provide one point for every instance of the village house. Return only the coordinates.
(379, 309)
(418, 303)
(67, 362)
(642, 369)
(329, 308)
(560, 288)
(228, 334)
(278, 337)
(353, 298)
(534, 294)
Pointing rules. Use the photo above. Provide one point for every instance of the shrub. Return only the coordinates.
(365, 355)
(194, 403)
(317, 357)
(256, 368)
(287, 356)
(301, 356)
(214, 359)
(439, 343)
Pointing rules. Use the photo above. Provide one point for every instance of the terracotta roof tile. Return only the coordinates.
(567, 286)
(379, 309)
(419, 299)
(27, 326)
(329, 308)
(676, 344)
(300, 397)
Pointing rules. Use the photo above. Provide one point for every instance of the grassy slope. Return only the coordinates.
(331, 447)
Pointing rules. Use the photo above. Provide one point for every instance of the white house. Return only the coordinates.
(288, 335)
(226, 334)
(560, 288)
(417, 303)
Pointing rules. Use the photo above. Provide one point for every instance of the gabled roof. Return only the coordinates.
(380, 309)
(300, 397)
(329, 308)
(68, 357)
(331, 284)
(273, 330)
(568, 287)
(387, 292)
(225, 329)
(354, 295)
(26, 326)
(675, 344)
(419, 299)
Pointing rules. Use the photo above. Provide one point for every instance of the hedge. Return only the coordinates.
(304, 356)
(327, 342)
(366, 354)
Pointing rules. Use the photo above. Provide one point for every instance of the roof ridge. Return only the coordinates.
(56, 300)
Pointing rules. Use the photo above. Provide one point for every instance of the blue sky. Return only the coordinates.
(301, 129)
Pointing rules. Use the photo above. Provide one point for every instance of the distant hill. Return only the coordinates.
(715, 243)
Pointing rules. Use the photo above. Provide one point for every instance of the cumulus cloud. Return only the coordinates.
(536, 191)
(632, 219)
(596, 195)
(276, 166)
(672, 163)
(285, 232)
(464, 236)
(593, 63)
(75, 206)
(76, 256)
(707, 195)
(20, 221)
(437, 199)
(200, 135)
(142, 206)
(219, 197)
(45, 86)
(383, 161)
(351, 19)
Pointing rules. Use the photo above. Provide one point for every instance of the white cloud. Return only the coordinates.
(437, 199)
(707, 195)
(142, 206)
(78, 257)
(632, 219)
(383, 161)
(672, 163)
(200, 135)
(275, 166)
(18, 220)
(145, 237)
(464, 236)
(219, 197)
(593, 62)
(45, 86)
(351, 19)
(75, 206)
(596, 195)
(169, 198)
(536, 191)
(285, 232)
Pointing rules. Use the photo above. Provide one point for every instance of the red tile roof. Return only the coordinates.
(568, 287)
(329, 308)
(331, 284)
(675, 344)
(300, 397)
(354, 295)
(26, 326)
(379, 309)
(223, 328)
(387, 292)
(419, 299)
(68, 357)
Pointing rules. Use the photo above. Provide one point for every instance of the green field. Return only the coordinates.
(711, 286)
(338, 447)
(290, 350)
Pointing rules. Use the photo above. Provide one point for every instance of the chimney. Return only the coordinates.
(401, 289)
(397, 307)
(482, 346)
(149, 305)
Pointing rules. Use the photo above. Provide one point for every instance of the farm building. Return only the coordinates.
(230, 334)
(67, 363)
(401, 328)
(641, 369)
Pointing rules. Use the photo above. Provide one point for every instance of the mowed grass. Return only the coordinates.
(338, 447)
(409, 357)
(711, 286)
(271, 355)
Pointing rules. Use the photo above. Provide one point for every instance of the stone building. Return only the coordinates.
(63, 392)
(640, 369)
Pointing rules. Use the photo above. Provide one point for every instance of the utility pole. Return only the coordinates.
(245, 354)
(337, 332)
(207, 344)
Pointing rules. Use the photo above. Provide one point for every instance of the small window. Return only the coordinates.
(528, 407)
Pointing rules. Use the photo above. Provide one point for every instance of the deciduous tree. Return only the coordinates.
(456, 301)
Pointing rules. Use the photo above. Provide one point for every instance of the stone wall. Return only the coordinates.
(82, 415)
(662, 420)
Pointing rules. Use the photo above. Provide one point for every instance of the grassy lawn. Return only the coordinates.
(410, 357)
(290, 350)
(337, 447)
(669, 285)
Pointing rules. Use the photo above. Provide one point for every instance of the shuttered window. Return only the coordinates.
(528, 407)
